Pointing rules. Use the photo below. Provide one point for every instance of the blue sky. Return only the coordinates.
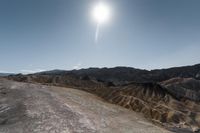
(40, 35)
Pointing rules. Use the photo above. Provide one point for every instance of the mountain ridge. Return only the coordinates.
(123, 74)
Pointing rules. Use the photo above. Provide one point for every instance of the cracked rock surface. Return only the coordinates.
(31, 108)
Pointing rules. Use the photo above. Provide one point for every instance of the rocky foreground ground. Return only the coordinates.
(31, 108)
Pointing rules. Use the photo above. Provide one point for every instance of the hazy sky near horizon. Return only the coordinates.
(40, 35)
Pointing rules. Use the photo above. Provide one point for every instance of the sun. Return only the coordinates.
(101, 13)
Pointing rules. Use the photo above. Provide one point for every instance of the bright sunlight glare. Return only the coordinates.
(101, 13)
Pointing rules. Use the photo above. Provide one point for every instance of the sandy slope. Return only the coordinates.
(30, 108)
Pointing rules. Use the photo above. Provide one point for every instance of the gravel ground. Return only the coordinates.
(31, 108)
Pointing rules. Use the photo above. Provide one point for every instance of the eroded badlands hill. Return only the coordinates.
(168, 97)
(31, 108)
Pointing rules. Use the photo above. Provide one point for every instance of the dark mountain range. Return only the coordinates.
(121, 75)
(5, 74)
(168, 97)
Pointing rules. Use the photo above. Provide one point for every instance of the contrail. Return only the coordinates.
(97, 33)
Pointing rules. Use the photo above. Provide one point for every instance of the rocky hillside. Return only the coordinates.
(30, 108)
(168, 97)
(158, 105)
(188, 88)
